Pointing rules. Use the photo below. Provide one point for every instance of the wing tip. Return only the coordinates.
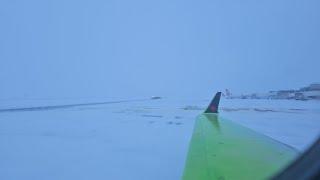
(214, 105)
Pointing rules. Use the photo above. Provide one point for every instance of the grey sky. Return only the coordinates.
(125, 48)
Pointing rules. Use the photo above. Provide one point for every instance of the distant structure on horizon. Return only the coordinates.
(306, 93)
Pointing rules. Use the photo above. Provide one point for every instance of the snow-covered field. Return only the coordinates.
(130, 140)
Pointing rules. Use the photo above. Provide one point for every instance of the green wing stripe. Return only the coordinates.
(221, 149)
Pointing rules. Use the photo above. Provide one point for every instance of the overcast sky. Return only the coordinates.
(126, 48)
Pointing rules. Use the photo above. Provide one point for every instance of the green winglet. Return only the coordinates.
(223, 150)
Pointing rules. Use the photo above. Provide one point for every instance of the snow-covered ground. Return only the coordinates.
(130, 140)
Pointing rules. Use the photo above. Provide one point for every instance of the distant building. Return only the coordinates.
(228, 93)
(286, 94)
(272, 94)
(310, 92)
(260, 96)
(299, 96)
(311, 87)
(314, 87)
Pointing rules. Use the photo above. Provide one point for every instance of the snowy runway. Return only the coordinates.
(133, 140)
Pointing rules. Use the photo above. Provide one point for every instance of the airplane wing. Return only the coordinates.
(221, 149)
